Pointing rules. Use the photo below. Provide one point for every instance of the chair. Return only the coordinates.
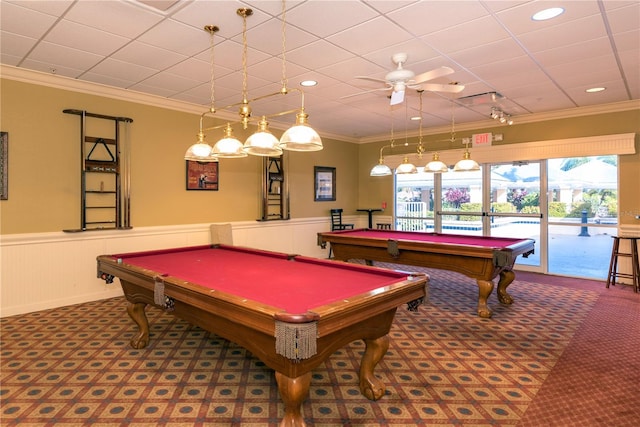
(336, 221)
(221, 234)
(616, 253)
(337, 224)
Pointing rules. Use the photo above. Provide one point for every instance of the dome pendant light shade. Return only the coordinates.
(406, 167)
(380, 169)
(200, 151)
(466, 164)
(263, 143)
(229, 146)
(436, 165)
(301, 137)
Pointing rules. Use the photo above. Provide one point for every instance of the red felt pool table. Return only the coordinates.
(291, 312)
(481, 258)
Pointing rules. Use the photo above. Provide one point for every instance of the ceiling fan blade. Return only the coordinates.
(372, 79)
(433, 74)
(365, 91)
(397, 97)
(434, 87)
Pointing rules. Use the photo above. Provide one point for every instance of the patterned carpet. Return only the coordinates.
(73, 366)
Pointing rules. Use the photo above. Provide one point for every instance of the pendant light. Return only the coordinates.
(467, 164)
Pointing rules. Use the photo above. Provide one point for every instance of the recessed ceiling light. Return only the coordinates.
(416, 118)
(595, 89)
(545, 14)
(308, 83)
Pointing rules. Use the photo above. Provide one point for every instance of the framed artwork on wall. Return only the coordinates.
(202, 175)
(4, 163)
(324, 187)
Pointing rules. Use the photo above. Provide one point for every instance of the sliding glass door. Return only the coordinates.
(568, 206)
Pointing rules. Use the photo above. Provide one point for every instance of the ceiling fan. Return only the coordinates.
(399, 79)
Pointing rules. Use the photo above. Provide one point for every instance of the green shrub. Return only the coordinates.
(470, 207)
(578, 207)
(557, 209)
(530, 209)
(502, 207)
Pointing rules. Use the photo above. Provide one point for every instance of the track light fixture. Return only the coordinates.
(501, 116)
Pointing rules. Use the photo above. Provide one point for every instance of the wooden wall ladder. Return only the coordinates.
(104, 176)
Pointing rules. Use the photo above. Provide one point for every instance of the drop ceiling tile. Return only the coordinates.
(107, 80)
(337, 16)
(148, 56)
(82, 37)
(386, 6)
(628, 41)
(624, 18)
(195, 69)
(23, 21)
(485, 54)
(221, 13)
(518, 19)
(15, 44)
(178, 38)
(168, 81)
(54, 8)
(267, 38)
(572, 33)
(51, 68)
(425, 17)
(468, 35)
(563, 54)
(62, 56)
(116, 17)
(417, 51)
(122, 70)
(369, 36)
(317, 55)
(595, 69)
(352, 67)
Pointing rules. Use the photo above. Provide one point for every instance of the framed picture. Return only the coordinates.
(4, 162)
(324, 188)
(202, 175)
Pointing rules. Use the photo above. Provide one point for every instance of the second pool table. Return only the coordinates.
(291, 312)
(481, 258)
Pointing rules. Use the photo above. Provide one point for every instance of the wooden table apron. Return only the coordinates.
(480, 263)
(252, 326)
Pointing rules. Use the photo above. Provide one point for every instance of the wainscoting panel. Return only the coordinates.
(50, 270)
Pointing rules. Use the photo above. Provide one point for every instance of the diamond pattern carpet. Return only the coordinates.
(73, 366)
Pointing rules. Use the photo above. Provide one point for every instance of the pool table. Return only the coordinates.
(481, 258)
(292, 312)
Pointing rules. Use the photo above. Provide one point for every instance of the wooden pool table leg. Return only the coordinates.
(370, 386)
(484, 290)
(137, 314)
(293, 392)
(506, 277)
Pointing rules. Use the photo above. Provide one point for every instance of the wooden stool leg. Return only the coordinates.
(613, 264)
(635, 268)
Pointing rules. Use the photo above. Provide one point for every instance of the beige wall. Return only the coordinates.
(374, 190)
(44, 165)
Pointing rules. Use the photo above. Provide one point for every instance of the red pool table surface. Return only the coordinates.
(479, 257)
(292, 312)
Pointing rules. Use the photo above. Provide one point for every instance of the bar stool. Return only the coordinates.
(383, 226)
(633, 255)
